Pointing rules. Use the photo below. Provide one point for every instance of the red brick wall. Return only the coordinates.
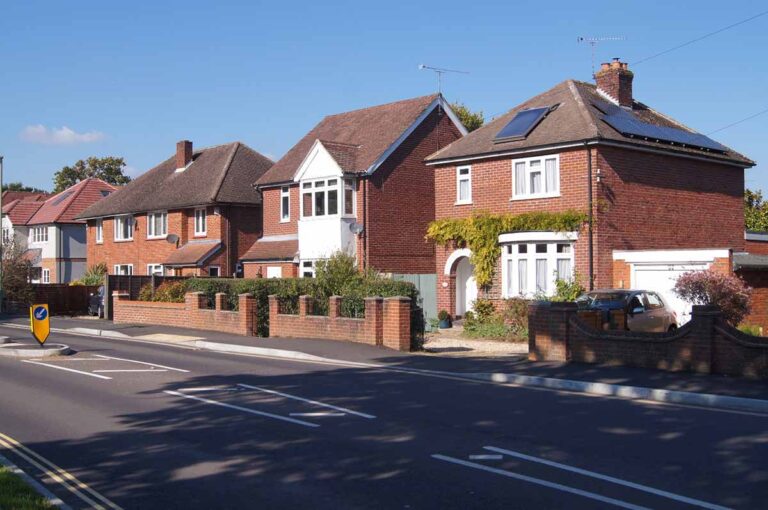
(758, 280)
(401, 201)
(259, 269)
(271, 201)
(756, 247)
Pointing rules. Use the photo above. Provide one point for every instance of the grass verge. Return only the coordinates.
(15, 494)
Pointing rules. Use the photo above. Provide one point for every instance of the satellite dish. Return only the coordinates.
(172, 238)
(356, 228)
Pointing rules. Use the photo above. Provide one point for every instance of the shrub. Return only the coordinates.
(495, 329)
(515, 315)
(568, 289)
(751, 329)
(443, 315)
(94, 275)
(727, 292)
(16, 271)
(170, 292)
(484, 310)
(145, 292)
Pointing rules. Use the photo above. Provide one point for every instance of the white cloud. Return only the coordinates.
(58, 136)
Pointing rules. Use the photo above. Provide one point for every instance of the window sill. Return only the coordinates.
(99, 242)
(155, 238)
(463, 203)
(124, 240)
(535, 197)
(200, 235)
(285, 221)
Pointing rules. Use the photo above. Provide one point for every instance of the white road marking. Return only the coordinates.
(208, 388)
(131, 370)
(618, 481)
(321, 413)
(486, 457)
(141, 363)
(315, 402)
(66, 369)
(543, 483)
(243, 409)
(67, 358)
(61, 476)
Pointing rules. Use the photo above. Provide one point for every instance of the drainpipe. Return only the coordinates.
(590, 219)
(365, 223)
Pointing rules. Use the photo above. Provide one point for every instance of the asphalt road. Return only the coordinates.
(164, 427)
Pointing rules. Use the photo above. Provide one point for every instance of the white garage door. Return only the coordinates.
(661, 278)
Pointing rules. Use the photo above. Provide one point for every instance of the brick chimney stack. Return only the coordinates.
(183, 153)
(615, 79)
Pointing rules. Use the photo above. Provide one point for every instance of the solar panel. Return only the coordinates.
(628, 125)
(62, 198)
(521, 124)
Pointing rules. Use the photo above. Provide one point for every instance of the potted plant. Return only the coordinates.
(445, 319)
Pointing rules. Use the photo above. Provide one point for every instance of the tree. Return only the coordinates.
(755, 211)
(18, 186)
(471, 120)
(727, 292)
(16, 272)
(108, 169)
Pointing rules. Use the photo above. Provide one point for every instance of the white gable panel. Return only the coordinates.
(318, 164)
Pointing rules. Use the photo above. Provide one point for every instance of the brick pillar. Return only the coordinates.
(304, 304)
(334, 307)
(374, 320)
(246, 305)
(194, 300)
(274, 305)
(703, 320)
(397, 323)
(221, 301)
(548, 330)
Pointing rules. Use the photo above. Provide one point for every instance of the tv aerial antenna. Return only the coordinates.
(439, 71)
(594, 41)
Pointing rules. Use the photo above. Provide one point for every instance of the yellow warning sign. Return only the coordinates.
(39, 322)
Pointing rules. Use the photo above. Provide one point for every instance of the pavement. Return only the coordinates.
(129, 424)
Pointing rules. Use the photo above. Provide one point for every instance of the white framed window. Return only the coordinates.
(274, 272)
(201, 222)
(7, 235)
(46, 276)
(307, 269)
(157, 225)
(464, 185)
(123, 228)
(155, 269)
(39, 234)
(530, 268)
(285, 204)
(99, 231)
(350, 197)
(123, 269)
(214, 271)
(536, 177)
(320, 198)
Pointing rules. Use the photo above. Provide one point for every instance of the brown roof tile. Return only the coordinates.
(266, 249)
(372, 130)
(10, 195)
(21, 211)
(193, 253)
(220, 174)
(65, 206)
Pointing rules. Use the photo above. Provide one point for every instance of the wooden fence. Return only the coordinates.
(63, 299)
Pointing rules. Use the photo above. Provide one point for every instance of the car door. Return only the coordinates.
(655, 312)
(637, 319)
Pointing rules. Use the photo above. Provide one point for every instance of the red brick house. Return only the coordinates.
(663, 199)
(193, 214)
(357, 182)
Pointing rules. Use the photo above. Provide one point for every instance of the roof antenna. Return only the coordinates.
(593, 41)
(439, 71)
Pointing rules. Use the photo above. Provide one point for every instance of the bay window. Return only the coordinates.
(321, 197)
(530, 267)
(536, 177)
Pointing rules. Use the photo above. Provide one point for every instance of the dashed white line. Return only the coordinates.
(618, 481)
(89, 374)
(317, 414)
(141, 363)
(315, 402)
(486, 457)
(543, 483)
(243, 409)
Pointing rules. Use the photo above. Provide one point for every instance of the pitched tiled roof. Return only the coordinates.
(9, 196)
(268, 249)
(221, 174)
(372, 130)
(193, 253)
(65, 206)
(575, 119)
(21, 211)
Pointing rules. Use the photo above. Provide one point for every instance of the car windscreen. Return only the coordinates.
(606, 299)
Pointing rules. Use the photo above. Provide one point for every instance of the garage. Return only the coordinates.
(658, 270)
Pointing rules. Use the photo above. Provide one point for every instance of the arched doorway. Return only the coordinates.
(466, 288)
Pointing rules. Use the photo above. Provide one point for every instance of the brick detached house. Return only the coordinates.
(193, 214)
(48, 229)
(357, 182)
(663, 199)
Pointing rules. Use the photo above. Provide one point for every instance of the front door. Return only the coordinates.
(466, 288)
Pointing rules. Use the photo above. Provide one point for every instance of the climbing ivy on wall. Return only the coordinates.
(480, 233)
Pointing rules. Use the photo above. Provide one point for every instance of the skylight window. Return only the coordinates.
(522, 124)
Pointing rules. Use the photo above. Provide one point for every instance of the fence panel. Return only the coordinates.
(426, 284)
(63, 299)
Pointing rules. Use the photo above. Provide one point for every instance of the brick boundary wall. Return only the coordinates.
(707, 344)
(387, 322)
(192, 313)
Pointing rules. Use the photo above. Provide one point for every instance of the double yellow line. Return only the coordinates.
(54, 472)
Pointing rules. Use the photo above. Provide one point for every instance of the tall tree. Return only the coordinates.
(109, 169)
(19, 186)
(471, 120)
(755, 211)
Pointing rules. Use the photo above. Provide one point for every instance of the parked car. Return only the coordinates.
(96, 303)
(646, 310)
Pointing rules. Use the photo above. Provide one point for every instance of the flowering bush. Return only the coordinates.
(727, 292)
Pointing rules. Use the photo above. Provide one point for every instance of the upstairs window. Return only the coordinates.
(320, 198)
(123, 228)
(285, 204)
(349, 197)
(7, 236)
(464, 185)
(40, 235)
(536, 177)
(201, 222)
(99, 231)
(157, 225)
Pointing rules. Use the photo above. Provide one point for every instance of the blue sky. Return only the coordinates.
(132, 78)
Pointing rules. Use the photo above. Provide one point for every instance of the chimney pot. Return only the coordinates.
(615, 79)
(183, 153)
